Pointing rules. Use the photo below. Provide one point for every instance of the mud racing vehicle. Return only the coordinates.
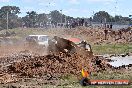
(58, 44)
(38, 39)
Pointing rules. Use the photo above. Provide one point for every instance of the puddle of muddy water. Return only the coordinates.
(119, 61)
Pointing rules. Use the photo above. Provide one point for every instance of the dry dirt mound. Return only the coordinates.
(49, 67)
(52, 65)
(97, 35)
(55, 66)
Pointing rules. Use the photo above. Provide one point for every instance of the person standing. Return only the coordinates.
(106, 33)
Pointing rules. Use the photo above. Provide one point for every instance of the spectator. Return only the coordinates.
(106, 33)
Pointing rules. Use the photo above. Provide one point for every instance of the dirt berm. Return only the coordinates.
(56, 65)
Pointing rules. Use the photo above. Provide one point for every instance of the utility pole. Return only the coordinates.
(116, 2)
(105, 23)
(7, 19)
(65, 20)
(116, 7)
(130, 16)
(61, 16)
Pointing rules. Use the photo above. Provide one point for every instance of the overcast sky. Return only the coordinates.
(75, 8)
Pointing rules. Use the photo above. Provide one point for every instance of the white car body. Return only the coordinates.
(40, 39)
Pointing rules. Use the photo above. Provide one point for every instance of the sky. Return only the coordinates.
(74, 8)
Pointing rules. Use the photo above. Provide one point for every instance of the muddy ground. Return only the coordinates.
(25, 66)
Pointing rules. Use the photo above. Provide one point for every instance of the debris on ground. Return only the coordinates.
(7, 78)
(50, 65)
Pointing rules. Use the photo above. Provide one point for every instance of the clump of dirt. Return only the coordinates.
(7, 78)
(55, 66)
(51, 65)
(100, 64)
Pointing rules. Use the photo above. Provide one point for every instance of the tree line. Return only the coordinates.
(33, 19)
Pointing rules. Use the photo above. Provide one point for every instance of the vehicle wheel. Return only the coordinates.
(84, 82)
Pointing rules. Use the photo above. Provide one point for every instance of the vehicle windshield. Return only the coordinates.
(32, 38)
(43, 38)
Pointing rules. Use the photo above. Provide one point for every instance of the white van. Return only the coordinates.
(39, 39)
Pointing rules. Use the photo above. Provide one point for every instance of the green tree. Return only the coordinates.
(26, 21)
(101, 16)
(117, 18)
(122, 20)
(42, 19)
(12, 13)
(10, 9)
(32, 18)
(56, 16)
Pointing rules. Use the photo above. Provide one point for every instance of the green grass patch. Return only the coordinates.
(72, 82)
(112, 48)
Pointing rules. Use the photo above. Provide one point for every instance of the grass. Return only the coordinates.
(102, 75)
(112, 48)
(72, 82)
